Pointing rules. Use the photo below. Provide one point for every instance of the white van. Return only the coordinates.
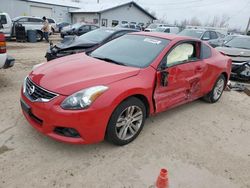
(6, 23)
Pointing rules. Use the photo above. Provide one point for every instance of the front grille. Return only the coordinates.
(36, 93)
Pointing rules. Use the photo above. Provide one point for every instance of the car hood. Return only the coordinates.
(73, 73)
(74, 42)
(237, 54)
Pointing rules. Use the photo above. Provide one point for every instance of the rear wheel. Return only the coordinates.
(216, 93)
(126, 122)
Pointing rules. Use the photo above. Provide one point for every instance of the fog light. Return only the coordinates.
(68, 132)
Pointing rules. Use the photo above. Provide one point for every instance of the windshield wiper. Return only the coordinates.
(109, 60)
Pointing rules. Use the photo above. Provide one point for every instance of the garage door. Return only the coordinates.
(40, 11)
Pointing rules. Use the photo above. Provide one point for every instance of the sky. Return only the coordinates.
(237, 10)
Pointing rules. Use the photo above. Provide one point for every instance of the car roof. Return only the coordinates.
(165, 36)
(19, 17)
(118, 29)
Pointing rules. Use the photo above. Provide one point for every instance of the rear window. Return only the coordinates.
(3, 19)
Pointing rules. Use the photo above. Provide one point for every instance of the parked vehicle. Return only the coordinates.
(131, 26)
(60, 26)
(5, 60)
(152, 27)
(202, 34)
(53, 24)
(173, 30)
(6, 24)
(238, 49)
(77, 29)
(86, 42)
(109, 92)
(221, 41)
(30, 23)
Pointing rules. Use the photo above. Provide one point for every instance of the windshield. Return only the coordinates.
(191, 33)
(97, 35)
(132, 50)
(152, 26)
(239, 42)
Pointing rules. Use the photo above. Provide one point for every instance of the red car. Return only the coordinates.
(109, 92)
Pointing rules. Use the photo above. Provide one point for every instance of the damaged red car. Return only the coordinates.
(109, 92)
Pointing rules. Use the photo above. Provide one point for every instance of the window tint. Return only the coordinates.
(181, 53)
(51, 21)
(213, 35)
(206, 36)
(3, 19)
(36, 20)
(84, 28)
(23, 20)
(205, 51)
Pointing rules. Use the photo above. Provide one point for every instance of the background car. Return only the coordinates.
(77, 29)
(109, 92)
(60, 26)
(6, 61)
(221, 41)
(238, 49)
(6, 24)
(86, 42)
(169, 29)
(30, 23)
(202, 34)
(152, 27)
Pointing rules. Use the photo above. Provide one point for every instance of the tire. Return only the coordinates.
(126, 122)
(39, 36)
(216, 93)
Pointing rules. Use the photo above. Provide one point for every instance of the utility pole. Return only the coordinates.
(248, 25)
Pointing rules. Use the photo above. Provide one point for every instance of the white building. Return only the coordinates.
(108, 15)
(57, 9)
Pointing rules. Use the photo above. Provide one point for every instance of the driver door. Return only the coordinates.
(179, 79)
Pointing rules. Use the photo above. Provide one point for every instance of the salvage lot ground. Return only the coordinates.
(202, 145)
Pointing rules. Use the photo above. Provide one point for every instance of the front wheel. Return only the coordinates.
(216, 93)
(126, 122)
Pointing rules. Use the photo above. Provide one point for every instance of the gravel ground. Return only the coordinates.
(202, 145)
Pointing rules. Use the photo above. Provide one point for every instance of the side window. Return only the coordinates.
(115, 23)
(3, 19)
(181, 53)
(213, 35)
(84, 28)
(22, 20)
(34, 20)
(93, 27)
(205, 51)
(206, 36)
(167, 30)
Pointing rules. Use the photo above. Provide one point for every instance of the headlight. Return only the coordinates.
(83, 98)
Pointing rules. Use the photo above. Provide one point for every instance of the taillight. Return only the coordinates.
(2, 44)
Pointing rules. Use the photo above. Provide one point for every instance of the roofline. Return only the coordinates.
(131, 2)
(50, 4)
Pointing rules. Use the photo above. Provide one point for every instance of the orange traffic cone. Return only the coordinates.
(162, 180)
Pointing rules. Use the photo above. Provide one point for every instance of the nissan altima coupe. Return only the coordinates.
(109, 92)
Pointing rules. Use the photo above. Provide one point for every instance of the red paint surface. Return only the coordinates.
(67, 75)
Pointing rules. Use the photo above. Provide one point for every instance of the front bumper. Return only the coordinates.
(10, 61)
(240, 71)
(46, 117)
